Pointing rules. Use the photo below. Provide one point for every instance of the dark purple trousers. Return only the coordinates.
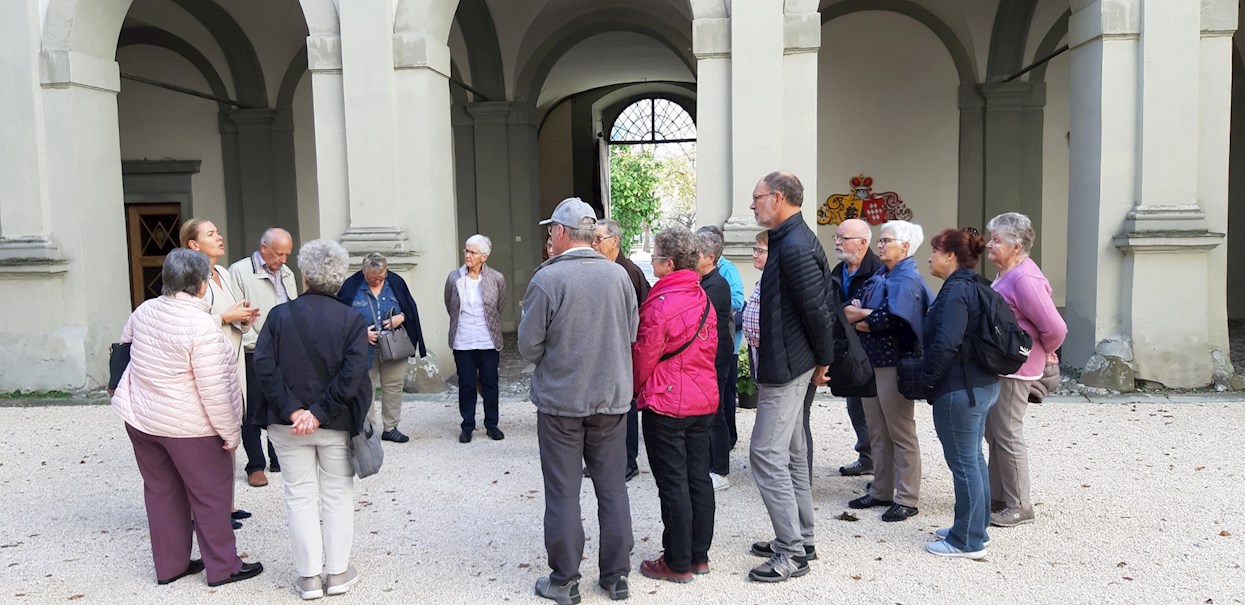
(188, 488)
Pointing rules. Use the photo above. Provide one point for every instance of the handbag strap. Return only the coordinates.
(703, 318)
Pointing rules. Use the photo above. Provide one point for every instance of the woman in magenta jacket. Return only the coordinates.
(677, 393)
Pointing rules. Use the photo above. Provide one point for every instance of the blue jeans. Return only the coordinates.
(960, 428)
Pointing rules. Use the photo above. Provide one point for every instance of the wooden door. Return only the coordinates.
(151, 231)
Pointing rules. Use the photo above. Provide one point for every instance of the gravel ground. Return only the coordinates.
(1136, 503)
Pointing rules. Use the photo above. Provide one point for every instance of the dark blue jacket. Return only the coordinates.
(312, 355)
(405, 301)
(796, 319)
(947, 365)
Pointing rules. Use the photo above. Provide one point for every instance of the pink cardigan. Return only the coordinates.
(1027, 292)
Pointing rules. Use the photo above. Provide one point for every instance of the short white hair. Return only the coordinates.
(904, 231)
(482, 242)
(324, 264)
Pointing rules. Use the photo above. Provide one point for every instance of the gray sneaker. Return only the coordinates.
(1011, 517)
(310, 587)
(778, 568)
(618, 590)
(340, 583)
(566, 594)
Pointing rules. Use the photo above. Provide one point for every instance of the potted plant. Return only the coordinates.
(745, 386)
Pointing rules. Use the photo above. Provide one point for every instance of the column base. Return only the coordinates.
(389, 241)
(31, 257)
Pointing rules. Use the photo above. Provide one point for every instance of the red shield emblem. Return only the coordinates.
(873, 210)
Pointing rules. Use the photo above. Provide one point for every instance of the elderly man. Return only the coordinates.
(607, 242)
(579, 320)
(265, 281)
(797, 347)
(857, 263)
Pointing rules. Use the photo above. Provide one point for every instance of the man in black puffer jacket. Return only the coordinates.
(796, 347)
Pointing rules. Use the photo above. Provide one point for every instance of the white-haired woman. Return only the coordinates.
(1027, 291)
(474, 296)
(311, 360)
(889, 318)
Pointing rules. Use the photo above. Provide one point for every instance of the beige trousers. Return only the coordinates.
(319, 497)
(1009, 454)
(389, 376)
(893, 441)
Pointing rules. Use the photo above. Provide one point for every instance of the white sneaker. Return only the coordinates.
(719, 482)
(310, 587)
(943, 532)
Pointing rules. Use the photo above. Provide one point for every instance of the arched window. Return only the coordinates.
(653, 121)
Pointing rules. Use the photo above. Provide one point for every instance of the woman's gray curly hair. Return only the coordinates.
(324, 264)
(678, 244)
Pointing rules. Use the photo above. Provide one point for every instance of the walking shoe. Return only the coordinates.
(310, 587)
(867, 501)
(997, 505)
(617, 590)
(899, 512)
(195, 566)
(496, 434)
(779, 568)
(239, 514)
(701, 568)
(257, 479)
(465, 436)
(856, 469)
(236, 524)
(273, 467)
(943, 532)
(394, 435)
(248, 571)
(765, 549)
(1011, 517)
(632, 473)
(719, 482)
(943, 549)
(658, 570)
(339, 583)
(567, 594)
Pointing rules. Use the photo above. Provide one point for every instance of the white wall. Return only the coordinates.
(613, 58)
(556, 169)
(888, 107)
(305, 163)
(1054, 227)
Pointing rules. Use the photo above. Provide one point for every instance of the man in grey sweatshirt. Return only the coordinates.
(579, 320)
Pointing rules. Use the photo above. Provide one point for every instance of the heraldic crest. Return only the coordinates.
(863, 203)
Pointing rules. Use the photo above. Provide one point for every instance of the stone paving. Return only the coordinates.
(1138, 501)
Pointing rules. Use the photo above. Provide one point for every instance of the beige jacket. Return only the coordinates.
(182, 380)
(251, 283)
(221, 298)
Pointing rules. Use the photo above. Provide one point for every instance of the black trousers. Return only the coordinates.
(251, 441)
(856, 412)
(565, 444)
(633, 437)
(678, 454)
(477, 368)
(722, 435)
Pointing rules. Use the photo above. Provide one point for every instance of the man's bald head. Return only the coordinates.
(854, 227)
(275, 246)
(851, 242)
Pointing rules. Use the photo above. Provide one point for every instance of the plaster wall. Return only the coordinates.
(1055, 136)
(277, 30)
(305, 163)
(556, 169)
(1044, 16)
(459, 54)
(889, 111)
(613, 58)
(157, 124)
(172, 18)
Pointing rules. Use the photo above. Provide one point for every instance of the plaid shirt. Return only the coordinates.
(752, 317)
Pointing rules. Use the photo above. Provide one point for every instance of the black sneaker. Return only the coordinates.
(899, 512)
(868, 501)
(496, 434)
(618, 590)
(779, 568)
(856, 469)
(465, 436)
(632, 473)
(766, 550)
(248, 571)
(566, 594)
(394, 435)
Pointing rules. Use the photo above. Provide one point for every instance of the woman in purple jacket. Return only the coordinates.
(1028, 293)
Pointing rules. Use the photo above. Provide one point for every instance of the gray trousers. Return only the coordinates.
(893, 439)
(600, 443)
(780, 465)
(1009, 454)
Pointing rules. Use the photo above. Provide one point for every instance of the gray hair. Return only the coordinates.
(680, 245)
(271, 233)
(184, 270)
(581, 235)
(324, 264)
(710, 243)
(788, 185)
(906, 232)
(612, 227)
(373, 262)
(1014, 228)
(482, 242)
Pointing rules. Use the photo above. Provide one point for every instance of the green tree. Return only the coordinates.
(633, 184)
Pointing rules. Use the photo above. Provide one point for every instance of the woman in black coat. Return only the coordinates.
(961, 392)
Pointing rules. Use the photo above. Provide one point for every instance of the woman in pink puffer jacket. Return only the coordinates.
(182, 407)
(677, 392)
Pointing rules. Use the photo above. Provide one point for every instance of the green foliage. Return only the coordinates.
(744, 384)
(19, 394)
(633, 183)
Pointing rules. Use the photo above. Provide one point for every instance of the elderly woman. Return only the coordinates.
(1028, 293)
(311, 360)
(182, 407)
(474, 296)
(889, 319)
(961, 392)
(233, 316)
(385, 302)
(677, 392)
(750, 317)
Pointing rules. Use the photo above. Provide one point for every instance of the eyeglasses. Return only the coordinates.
(760, 251)
(757, 198)
(660, 259)
(886, 241)
(839, 238)
(601, 238)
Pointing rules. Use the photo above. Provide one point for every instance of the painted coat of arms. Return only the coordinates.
(863, 203)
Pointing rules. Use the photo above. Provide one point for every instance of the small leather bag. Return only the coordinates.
(392, 344)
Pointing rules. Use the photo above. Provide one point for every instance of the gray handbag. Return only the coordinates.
(366, 453)
(392, 344)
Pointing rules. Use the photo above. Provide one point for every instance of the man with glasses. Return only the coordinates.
(796, 348)
(857, 263)
(579, 320)
(607, 242)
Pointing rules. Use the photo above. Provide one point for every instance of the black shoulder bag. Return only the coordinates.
(703, 318)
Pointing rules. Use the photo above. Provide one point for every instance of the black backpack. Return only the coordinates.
(997, 343)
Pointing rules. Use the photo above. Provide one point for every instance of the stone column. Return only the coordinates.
(972, 155)
(324, 60)
(801, 41)
(711, 43)
(1013, 153)
(528, 237)
(1218, 24)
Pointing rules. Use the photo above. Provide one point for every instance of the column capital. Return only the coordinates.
(1013, 95)
(801, 33)
(1219, 18)
(1103, 19)
(67, 68)
(739, 236)
(324, 54)
(415, 50)
(248, 120)
(711, 38)
(490, 112)
(389, 241)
